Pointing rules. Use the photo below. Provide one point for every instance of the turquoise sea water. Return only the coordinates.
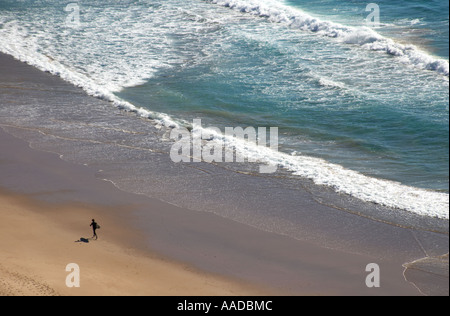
(370, 100)
(423, 23)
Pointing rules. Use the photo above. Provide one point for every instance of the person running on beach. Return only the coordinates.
(95, 226)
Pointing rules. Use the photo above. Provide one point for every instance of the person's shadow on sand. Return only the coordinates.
(84, 240)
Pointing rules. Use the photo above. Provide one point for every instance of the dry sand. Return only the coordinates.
(38, 241)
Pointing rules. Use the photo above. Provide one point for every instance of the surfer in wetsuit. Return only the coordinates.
(94, 228)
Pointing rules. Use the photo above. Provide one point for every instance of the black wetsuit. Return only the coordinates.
(94, 228)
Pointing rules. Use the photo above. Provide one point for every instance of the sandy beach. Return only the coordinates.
(149, 247)
(39, 240)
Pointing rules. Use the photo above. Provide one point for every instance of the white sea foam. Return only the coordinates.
(379, 191)
(365, 37)
(15, 40)
(331, 84)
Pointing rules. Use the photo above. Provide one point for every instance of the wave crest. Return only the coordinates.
(362, 36)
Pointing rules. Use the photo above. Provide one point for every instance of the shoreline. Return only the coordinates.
(209, 243)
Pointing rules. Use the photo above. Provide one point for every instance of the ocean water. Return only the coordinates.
(361, 109)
